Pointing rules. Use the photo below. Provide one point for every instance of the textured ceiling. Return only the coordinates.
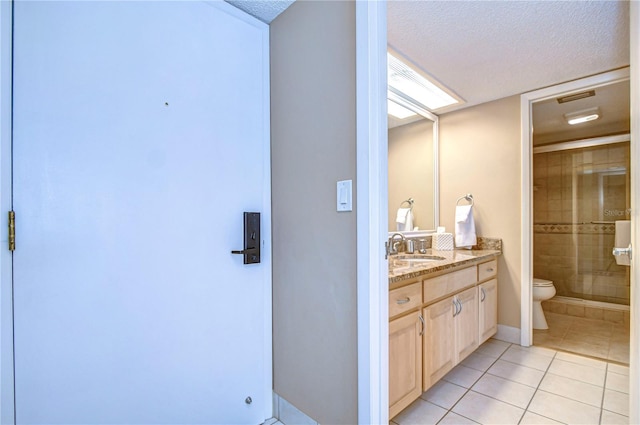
(487, 50)
(265, 10)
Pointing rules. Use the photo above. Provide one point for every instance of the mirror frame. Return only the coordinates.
(407, 103)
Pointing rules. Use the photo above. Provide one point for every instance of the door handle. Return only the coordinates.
(251, 251)
(622, 251)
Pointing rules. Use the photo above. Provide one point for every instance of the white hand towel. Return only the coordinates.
(401, 217)
(404, 219)
(465, 227)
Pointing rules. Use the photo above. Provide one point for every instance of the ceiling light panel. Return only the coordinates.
(405, 81)
(582, 116)
(398, 111)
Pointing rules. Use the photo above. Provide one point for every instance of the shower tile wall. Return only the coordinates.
(578, 195)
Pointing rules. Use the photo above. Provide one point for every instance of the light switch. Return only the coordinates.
(344, 194)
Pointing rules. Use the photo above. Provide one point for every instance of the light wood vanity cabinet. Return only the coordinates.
(488, 300)
(451, 334)
(405, 361)
(434, 324)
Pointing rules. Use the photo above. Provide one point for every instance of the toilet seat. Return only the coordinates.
(541, 282)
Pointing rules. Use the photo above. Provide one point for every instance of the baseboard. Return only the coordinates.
(508, 334)
(289, 414)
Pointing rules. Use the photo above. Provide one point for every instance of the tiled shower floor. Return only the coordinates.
(588, 337)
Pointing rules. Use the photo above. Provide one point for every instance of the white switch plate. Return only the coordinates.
(344, 195)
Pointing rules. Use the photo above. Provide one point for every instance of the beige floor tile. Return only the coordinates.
(486, 410)
(563, 409)
(616, 402)
(455, 419)
(527, 358)
(463, 376)
(619, 369)
(531, 418)
(617, 382)
(610, 418)
(537, 350)
(548, 341)
(600, 350)
(586, 361)
(479, 361)
(620, 333)
(583, 373)
(444, 394)
(420, 412)
(513, 372)
(619, 353)
(502, 389)
(570, 388)
(493, 348)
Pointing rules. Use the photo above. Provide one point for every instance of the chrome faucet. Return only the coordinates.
(394, 245)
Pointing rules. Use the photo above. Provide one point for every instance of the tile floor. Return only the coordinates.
(502, 383)
(585, 336)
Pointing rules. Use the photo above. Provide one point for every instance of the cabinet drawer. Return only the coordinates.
(404, 299)
(487, 270)
(441, 286)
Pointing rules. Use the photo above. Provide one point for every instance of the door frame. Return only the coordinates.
(7, 414)
(371, 214)
(634, 375)
(526, 102)
(7, 388)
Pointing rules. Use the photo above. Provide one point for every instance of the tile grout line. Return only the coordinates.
(538, 388)
(469, 389)
(604, 390)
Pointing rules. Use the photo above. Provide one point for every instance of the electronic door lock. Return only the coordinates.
(251, 249)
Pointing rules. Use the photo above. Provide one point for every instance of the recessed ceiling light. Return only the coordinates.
(398, 111)
(406, 82)
(584, 115)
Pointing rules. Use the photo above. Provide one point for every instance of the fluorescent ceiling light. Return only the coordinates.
(398, 111)
(585, 115)
(403, 80)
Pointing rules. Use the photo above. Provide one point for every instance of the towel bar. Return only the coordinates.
(468, 197)
(409, 201)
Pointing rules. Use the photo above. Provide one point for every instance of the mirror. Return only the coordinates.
(413, 168)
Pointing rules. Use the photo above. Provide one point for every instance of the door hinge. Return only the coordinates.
(12, 231)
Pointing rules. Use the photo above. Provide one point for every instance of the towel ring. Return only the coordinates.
(468, 197)
(409, 201)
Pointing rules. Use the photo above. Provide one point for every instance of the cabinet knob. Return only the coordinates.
(403, 301)
(422, 321)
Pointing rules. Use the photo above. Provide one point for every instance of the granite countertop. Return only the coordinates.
(401, 267)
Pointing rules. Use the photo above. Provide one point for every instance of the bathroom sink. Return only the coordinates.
(408, 262)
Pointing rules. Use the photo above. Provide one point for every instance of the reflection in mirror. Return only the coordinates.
(412, 170)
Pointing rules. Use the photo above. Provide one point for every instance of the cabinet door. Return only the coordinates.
(466, 323)
(405, 361)
(439, 348)
(488, 303)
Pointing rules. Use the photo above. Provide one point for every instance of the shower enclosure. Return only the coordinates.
(578, 195)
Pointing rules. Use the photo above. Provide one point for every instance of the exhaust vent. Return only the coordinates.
(576, 96)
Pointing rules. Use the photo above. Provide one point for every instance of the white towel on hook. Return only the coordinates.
(404, 219)
(465, 227)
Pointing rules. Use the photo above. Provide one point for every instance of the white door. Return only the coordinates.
(140, 137)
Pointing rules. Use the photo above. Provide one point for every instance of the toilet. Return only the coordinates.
(542, 290)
